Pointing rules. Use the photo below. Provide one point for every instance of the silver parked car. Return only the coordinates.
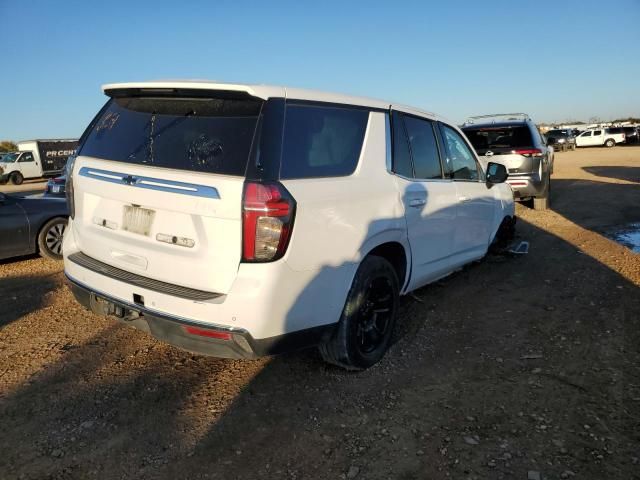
(514, 141)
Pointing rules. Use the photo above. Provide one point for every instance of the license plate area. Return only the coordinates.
(137, 219)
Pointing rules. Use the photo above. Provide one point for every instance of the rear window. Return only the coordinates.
(615, 130)
(321, 141)
(200, 134)
(499, 137)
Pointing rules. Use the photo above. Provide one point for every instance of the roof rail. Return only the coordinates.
(497, 116)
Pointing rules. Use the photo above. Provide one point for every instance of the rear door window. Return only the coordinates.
(402, 164)
(424, 148)
(322, 141)
(202, 134)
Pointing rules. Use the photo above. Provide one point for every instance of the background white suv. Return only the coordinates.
(239, 220)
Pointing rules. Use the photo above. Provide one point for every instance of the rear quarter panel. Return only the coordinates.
(340, 220)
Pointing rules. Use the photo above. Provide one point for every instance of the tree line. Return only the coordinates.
(8, 146)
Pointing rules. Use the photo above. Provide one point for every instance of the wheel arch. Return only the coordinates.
(396, 254)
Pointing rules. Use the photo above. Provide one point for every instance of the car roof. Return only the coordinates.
(272, 91)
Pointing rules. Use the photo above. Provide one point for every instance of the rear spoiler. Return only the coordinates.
(117, 92)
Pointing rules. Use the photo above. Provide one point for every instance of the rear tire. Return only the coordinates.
(16, 178)
(610, 143)
(363, 334)
(542, 203)
(573, 147)
(50, 238)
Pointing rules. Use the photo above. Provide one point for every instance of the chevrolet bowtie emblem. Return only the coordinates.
(129, 179)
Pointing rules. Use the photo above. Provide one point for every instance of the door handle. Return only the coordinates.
(417, 202)
(463, 199)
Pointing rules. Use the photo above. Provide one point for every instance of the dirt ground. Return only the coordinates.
(28, 187)
(521, 368)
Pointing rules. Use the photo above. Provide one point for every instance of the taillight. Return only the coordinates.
(268, 211)
(528, 152)
(69, 186)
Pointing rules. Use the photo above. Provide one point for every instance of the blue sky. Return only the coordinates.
(556, 60)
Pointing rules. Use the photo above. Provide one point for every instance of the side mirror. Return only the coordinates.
(496, 173)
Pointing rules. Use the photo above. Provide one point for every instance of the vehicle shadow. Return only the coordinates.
(502, 337)
(24, 294)
(486, 359)
(602, 204)
(116, 405)
(630, 174)
(8, 261)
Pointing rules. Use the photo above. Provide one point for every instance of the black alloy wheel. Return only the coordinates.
(363, 334)
(375, 315)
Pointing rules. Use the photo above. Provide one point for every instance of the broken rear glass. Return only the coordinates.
(211, 135)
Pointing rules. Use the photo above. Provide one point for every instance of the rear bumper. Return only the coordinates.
(214, 340)
(271, 307)
(526, 186)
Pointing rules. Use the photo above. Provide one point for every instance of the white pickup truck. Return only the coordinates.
(602, 136)
(36, 159)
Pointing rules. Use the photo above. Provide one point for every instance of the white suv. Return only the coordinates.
(244, 220)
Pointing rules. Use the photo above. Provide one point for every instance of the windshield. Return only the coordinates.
(557, 133)
(9, 157)
(211, 135)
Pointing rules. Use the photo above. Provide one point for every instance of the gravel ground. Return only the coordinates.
(28, 187)
(525, 368)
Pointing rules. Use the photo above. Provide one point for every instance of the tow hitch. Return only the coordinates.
(100, 306)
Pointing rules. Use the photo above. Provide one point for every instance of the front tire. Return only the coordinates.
(50, 238)
(610, 143)
(363, 334)
(16, 178)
